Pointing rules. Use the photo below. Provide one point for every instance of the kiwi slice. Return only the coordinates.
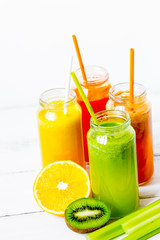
(86, 215)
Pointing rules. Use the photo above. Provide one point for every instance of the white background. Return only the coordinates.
(36, 42)
(35, 46)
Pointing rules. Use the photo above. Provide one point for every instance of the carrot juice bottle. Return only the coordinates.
(141, 120)
(60, 133)
(96, 89)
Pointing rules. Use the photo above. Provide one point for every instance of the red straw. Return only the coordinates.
(79, 57)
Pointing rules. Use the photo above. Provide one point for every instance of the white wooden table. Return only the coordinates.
(20, 217)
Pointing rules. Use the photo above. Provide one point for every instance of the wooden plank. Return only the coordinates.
(17, 193)
(42, 226)
(26, 158)
(37, 226)
(152, 188)
(19, 146)
(156, 138)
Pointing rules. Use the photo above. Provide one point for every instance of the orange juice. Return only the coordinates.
(60, 133)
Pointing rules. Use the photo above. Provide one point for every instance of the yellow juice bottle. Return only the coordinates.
(60, 133)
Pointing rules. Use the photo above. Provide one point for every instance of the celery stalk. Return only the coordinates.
(112, 233)
(129, 222)
(144, 229)
(141, 220)
(147, 236)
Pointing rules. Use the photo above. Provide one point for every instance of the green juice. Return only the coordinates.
(113, 165)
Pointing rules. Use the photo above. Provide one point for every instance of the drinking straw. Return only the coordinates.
(145, 220)
(131, 75)
(68, 85)
(79, 57)
(90, 110)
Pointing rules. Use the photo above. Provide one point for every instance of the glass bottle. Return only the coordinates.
(113, 163)
(97, 91)
(60, 133)
(141, 120)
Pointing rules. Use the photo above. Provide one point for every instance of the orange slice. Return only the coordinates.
(59, 184)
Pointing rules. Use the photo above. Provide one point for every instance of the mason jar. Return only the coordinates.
(141, 120)
(113, 163)
(60, 131)
(96, 89)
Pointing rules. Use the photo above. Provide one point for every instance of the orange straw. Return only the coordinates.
(132, 75)
(79, 57)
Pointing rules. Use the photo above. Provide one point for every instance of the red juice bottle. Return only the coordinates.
(97, 91)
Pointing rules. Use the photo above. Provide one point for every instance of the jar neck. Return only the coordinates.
(55, 99)
(96, 76)
(120, 93)
(111, 121)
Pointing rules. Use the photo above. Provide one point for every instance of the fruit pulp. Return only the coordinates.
(86, 215)
(61, 135)
(57, 185)
(113, 168)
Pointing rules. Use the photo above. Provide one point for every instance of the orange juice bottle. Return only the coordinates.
(60, 134)
(141, 121)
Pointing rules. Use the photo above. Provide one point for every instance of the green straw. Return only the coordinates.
(90, 110)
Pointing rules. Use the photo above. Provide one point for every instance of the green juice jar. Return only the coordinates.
(113, 163)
